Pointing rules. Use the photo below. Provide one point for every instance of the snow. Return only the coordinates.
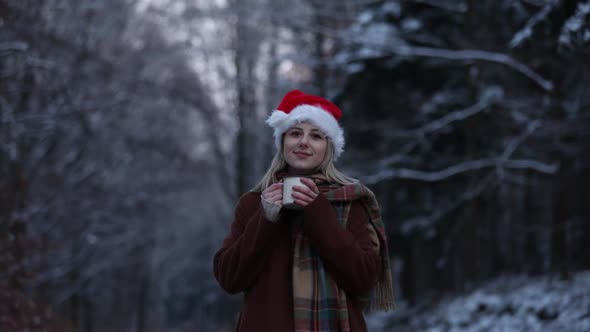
(392, 8)
(527, 31)
(374, 36)
(365, 17)
(372, 40)
(411, 24)
(378, 34)
(506, 304)
(576, 27)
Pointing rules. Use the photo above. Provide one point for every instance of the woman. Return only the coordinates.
(316, 268)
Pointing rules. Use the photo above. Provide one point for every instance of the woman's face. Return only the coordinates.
(304, 148)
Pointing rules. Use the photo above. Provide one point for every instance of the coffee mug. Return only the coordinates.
(288, 184)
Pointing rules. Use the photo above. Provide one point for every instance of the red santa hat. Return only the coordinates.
(298, 107)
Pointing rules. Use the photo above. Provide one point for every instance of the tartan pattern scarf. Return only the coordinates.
(319, 304)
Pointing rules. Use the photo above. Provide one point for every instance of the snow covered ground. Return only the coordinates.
(507, 304)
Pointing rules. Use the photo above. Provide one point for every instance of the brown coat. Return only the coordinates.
(256, 258)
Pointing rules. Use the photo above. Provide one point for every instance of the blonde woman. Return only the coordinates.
(318, 267)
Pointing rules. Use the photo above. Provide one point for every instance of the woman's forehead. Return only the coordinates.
(305, 125)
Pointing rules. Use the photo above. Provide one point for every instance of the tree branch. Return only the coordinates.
(435, 125)
(474, 55)
(500, 162)
(15, 46)
(411, 174)
(527, 30)
(426, 222)
(463, 114)
(454, 6)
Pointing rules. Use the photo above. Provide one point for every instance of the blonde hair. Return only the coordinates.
(326, 168)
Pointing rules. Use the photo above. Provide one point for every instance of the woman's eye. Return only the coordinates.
(317, 136)
(294, 134)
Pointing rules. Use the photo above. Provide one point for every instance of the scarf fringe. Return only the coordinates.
(381, 299)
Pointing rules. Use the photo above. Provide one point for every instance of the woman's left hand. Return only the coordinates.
(305, 195)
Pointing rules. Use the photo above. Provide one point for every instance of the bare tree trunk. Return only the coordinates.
(561, 215)
(273, 92)
(245, 48)
(142, 301)
(74, 308)
(320, 69)
(88, 313)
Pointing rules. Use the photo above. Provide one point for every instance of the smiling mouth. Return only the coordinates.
(302, 154)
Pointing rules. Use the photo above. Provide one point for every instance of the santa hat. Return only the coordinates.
(298, 107)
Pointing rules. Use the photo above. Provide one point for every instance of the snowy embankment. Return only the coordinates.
(503, 305)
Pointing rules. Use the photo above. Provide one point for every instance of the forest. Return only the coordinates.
(129, 129)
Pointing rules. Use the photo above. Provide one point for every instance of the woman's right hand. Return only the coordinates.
(272, 201)
(274, 194)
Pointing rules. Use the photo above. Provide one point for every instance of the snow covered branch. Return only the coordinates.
(377, 50)
(576, 29)
(527, 30)
(426, 222)
(471, 165)
(454, 116)
(470, 55)
(488, 96)
(503, 161)
(411, 174)
(513, 145)
(454, 6)
(16, 46)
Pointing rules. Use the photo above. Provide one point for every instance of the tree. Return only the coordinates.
(115, 139)
(454, 110)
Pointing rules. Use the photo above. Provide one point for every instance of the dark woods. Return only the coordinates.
(129, 128)
(483, 164)
(102, 119)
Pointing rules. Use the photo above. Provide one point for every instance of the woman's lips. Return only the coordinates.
(302, 154)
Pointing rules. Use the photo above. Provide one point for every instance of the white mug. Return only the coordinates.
(288, 184)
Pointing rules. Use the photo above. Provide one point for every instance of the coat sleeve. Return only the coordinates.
(350, 254)
(246, 249)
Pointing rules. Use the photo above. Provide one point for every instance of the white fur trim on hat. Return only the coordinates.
(281, 122)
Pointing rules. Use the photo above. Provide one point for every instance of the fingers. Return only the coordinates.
(306, 191)
(301, 199)
(275, 186)
(303, 191)
(304, 195)
(274, 193)
(311, 185)
(274, 197)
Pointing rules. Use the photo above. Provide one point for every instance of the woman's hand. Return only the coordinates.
(272, 201)
(305, 195)
(274, 194)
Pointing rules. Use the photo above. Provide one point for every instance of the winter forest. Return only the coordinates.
(129, 129)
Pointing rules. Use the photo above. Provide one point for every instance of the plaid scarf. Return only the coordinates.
(319, 304)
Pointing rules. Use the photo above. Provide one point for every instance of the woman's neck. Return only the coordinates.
(291, 171)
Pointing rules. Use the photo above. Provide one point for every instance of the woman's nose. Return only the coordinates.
(304, 140)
